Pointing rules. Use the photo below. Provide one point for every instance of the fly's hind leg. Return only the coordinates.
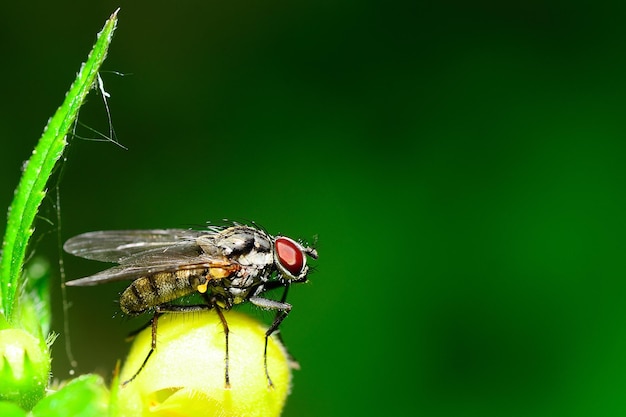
(158, 311)
(154, 323)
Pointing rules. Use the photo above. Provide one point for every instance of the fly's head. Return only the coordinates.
(290, 259)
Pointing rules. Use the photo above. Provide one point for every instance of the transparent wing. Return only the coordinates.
(144, 252)
(121, 246)
(131, 272)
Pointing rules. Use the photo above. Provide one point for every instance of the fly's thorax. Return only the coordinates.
(254, 261)
(236, 241)
(247, 247)
(160, 288)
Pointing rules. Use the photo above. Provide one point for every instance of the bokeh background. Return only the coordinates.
(463, 165)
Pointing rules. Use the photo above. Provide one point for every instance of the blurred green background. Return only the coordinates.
(463, 164)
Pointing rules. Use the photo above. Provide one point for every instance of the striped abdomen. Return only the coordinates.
(160, 288)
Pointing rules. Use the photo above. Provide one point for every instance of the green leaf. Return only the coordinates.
(32, 186)
(85, 396)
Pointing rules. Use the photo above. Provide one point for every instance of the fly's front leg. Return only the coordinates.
(293, 363)
(283, 310)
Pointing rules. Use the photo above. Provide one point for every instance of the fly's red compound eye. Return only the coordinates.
(290, 255)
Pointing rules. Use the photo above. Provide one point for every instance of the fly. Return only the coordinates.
(226, 265)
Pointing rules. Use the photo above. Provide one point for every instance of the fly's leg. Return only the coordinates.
(158, 311)
(283, 310)
(293, 363)
(154, 322)
(213, 304)
(226, 331)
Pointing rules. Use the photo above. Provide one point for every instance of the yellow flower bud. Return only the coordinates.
(185, 374)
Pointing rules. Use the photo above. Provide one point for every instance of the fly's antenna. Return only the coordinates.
(311, 252)
(310, 249)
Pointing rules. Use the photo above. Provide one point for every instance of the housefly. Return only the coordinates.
(227, 265)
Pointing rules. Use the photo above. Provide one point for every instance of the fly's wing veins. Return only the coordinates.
(119, 245)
